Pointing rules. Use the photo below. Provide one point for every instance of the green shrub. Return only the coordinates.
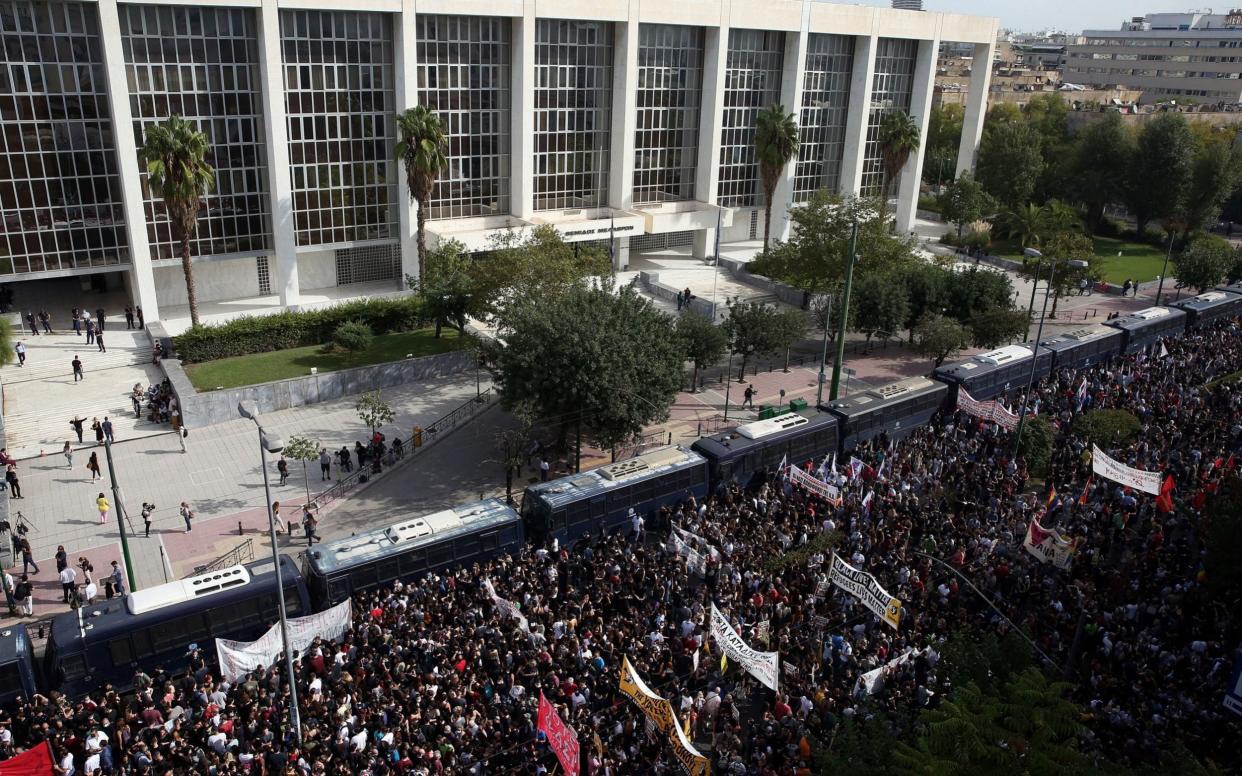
(929, 202)
(289, 329)
(1036, 445)
(353, 336)
(1107, 428)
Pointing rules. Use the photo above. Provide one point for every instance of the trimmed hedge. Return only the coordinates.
(289, 329)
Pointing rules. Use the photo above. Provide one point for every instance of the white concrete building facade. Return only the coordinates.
(628, 121)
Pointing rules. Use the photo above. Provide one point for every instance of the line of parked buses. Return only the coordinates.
(151, 628)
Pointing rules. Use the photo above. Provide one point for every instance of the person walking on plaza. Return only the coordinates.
(118, 579)
(30, 321)
(9, 589)
(282, 466)
(10, 476)
(45, 320)
(278, 520)
(20, 349)
(90, 590)
(325, 464)
(25, 596)
(344, 460)
(748, 398)
(182, 433)
(90, 330)
(27, 557)
(67, 451)
(99, 342)
(97, 427)
(187, 515)
(77, 321)
(147, 509)
(68, 582)
(135, 398)
(78, 422)
(99, 318)
(62, 558)
(308, 526)
(77, 369)
(103, 506)
(92, 466)
(129, 316)
(106, 427)
(138, 314)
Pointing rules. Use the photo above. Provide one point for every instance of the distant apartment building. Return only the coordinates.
(1166, 56)
(908, 5)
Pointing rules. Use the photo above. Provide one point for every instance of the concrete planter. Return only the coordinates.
(211, 407)
(782, 291)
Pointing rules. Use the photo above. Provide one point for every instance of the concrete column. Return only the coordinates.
(522, 148)
(711, 117)
(405, 48)
(624, 125)
(860, 109)
(793, 77)
(976, 106)
(279, 179)
(920, 110)
(141, 280)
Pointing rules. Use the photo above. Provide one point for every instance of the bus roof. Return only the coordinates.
(655, 463)
(1146, 317)
(1070, 339)
(873, 399)
(377, 543)
(730, 442)
(985, 362)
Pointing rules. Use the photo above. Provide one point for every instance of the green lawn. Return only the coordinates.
(297, 362)
(1138, 261)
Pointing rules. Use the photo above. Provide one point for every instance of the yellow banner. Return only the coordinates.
(660, 712)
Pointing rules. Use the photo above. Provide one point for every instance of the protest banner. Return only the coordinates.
(562, 739)
(764, 666)
(873, 678)
(1101, 464)
(238, 658)
(505, 606)
(1048, 545)
(865, 588)
(815, 486)
(660, 713)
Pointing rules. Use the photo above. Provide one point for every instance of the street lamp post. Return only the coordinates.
(1164, 272)
(273, 444)
(119, 500)
(845, 313)
(1039, 332)
(823, 356)
(1039, 269)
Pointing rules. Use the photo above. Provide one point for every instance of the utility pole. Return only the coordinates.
(823, 356)
(121, 516)
(845, 313)
(1164, 272)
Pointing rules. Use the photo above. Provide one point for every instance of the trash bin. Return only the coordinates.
(416, 436)
(796, 405)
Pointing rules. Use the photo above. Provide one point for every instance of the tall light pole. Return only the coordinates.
(119, 500)
(1031, 253)
(1164, 273)
(845, 313)
(823, 356)
(1039, 333)
(274, 444)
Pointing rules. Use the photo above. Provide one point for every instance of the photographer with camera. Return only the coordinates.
(147, 509)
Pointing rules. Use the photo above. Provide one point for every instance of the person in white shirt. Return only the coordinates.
(66, 765)
(68, 581)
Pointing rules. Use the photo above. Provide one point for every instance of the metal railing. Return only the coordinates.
(242, 553)
(436, 430)
(642, 444)
(716, 424)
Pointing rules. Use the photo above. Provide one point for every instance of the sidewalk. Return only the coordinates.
(219, 476)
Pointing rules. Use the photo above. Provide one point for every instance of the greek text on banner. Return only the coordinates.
(764, 666)
(1101, 464)
(660, 712)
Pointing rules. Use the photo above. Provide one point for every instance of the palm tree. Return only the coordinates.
(422, 149)
(1027, 224)
(776, 143)
(177, 171)
(899, 137)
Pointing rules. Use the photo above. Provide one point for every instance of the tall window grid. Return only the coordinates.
(339, 102)
(825, 108)
(573, 98)
(752, 82)
(670, 94)
(60, 191)
(464, 76)
(203, 64)
(891, 89)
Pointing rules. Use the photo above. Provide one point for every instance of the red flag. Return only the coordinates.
(34, 762)
(561, 737)
(1164, 502)
(1083, 498)
(1229, 463)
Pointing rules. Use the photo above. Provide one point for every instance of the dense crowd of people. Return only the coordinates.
(434, 678)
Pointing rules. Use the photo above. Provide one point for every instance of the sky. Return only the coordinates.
(1068, 15)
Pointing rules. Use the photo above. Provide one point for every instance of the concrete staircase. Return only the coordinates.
(41, 398)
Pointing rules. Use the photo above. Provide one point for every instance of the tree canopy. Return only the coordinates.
(1159, 174)
(1204, 264)
(938, 337)
(1010, 163)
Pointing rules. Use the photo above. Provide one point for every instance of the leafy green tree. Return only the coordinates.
(862, 745)
(1101, 153)
(1107, 428)
(704, 342)
(512, 444)
(537, 263)
(1010, 163)
(880, 306)
(776, 143)
(974, 290)
(451, 291)
(1049, 115)
(304, 449)
(1060, 218)
(964, 201)
(422, 149)
(175, 154)
(937, 337)
(373, 411)
(791, 325)
(899, 137)
(611, 361)
(1036, 444)
(1026, 224)
(986, 660)
(1159, 174)
(753, 328)
(1216, 173)
(1063, 248)
(1204, 264)
(926, 287)
(1030, 727)
(996, 326)
(352, 336)
(817, 253)
(944, 135)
